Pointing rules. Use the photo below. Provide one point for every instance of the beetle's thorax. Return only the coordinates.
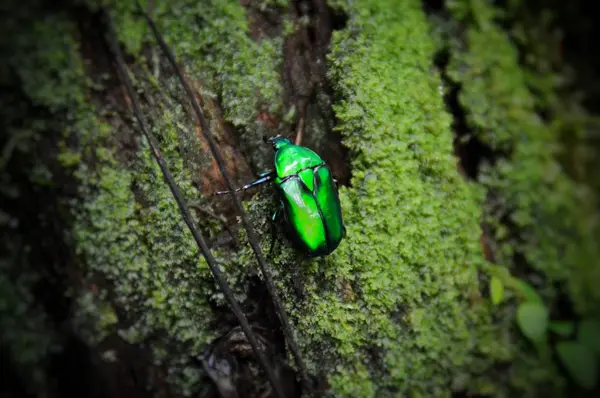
(291, 159)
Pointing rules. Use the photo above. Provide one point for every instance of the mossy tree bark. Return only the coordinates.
(446, 138)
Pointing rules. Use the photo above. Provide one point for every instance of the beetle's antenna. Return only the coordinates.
(185, 212)
(287, 329)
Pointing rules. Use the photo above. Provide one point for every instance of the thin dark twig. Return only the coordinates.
(287, 330)
(301, 122)
(185, 212)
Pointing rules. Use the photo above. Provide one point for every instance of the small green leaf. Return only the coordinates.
(589, 334)
(533, 320)
(496, 290)
(579, 361)
(562, 328)
(527, 292)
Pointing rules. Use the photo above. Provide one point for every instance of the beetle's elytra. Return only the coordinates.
(309, 199)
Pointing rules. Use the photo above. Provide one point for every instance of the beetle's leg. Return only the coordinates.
(263, 177)
(335, 183)
(266, 173)
(276, 215)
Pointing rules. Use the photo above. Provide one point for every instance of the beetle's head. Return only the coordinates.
(278, 141)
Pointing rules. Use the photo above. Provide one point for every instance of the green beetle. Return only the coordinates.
(309, 199)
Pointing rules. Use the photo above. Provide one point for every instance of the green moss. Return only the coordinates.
(212, 41)
(26, 331)
(130, 231)
(412, 220)
(553, 213)
(127, 232)
(28, 48)
(127, 227)
(95, 319)
(396, 307)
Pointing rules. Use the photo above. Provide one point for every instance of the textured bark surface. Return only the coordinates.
(463, 136)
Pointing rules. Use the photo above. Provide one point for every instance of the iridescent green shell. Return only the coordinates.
(309, 196)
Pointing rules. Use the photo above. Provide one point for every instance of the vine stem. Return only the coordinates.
(287, 329)
(185, 212)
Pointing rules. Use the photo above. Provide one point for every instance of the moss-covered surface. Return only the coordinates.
(400, 308)
(134, 248)
(212, 40)
(128, 227)
(373, 310)
(391, 310)
(29, 103)
(532, 191)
